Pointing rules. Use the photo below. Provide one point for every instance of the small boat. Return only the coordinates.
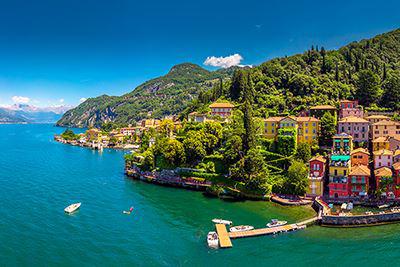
(276, 223)
(73, 207)
(212, 240)
(383, 206)
(241, 228)
(221, 221)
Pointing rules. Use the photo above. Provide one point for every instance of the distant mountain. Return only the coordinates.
(23, 113)
(169, 94)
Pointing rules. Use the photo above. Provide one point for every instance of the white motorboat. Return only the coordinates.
(221, 221)
(212, 240)
(276, 223)
(73, 207)
(383, 206)
(241, 228)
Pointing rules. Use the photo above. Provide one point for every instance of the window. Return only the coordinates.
(344, 172)
(335, 172)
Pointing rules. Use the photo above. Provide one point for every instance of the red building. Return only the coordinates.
(385, 182)
(339, 188)
(359, 180)
(317, 166)
(396, 179)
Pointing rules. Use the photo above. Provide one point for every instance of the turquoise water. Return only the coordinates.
(39, 177)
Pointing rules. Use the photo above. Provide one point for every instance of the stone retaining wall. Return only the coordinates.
(360, 220)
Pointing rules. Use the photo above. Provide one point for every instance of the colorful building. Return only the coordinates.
(223, 110)
(394, 143)
(376, 118)
(342, 144)
(385, 128)
(316, 176)
(271, 126)
(396, 179)
(360, 156)
(396, 156)
(384, 181)
(359, 180)
(380, 143)
(350, 108)
(339, 169)
(307, 128)
(319, 111)
(383, 158)
(356, 127)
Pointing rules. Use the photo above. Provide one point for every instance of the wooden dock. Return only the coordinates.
(223, 236)
(265, 231)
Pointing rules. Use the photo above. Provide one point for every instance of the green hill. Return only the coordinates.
(368, 70)
(162, 96)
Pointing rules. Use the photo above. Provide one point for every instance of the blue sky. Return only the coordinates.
(57, 52)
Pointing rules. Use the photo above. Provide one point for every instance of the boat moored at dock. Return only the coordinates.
(221, 221)
(241, 228)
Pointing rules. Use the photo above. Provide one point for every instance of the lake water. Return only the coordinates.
(39, 177)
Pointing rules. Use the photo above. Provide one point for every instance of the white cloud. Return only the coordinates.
(20, 99)
(223, 62)
(82, 100)
(61, 100)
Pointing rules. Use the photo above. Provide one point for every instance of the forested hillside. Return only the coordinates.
(368, 70)
(157, 98)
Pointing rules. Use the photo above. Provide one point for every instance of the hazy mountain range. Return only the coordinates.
(24, 113)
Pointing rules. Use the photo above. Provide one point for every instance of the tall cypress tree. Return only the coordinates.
(249, 138)
(238, 83)
(337, 72)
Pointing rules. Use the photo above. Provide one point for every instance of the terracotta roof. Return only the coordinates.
(387, 123)
(360, 170)
(319, 158)
(396, 166)
(353, 119)
(274, 119)
(383, 152)
(323, 107)
(305, 119)
(221, 105)
(380, 139)
(377, 117)
(346, 101)
(383, 171)
(360, 150)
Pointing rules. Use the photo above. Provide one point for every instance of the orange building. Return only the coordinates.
(359, 156)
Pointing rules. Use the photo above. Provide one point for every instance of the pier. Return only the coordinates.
(225, 237)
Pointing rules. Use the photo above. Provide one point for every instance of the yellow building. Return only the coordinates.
(271, 126)
(342, 144)
(380, 143)
(307, 128)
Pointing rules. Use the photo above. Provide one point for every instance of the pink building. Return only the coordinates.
(356, 127)
(350, 108)
(383, 158)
